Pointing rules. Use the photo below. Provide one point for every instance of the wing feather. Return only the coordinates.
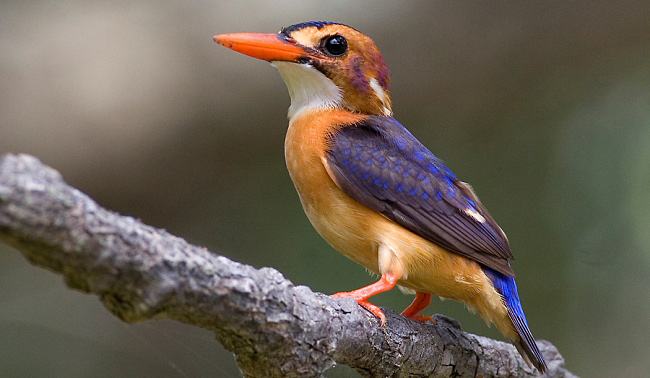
(380, 164)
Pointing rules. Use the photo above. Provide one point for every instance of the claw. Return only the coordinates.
(423, 319)
(385, 283)
(420, 302)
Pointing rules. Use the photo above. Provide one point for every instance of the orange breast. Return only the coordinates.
(339, 219)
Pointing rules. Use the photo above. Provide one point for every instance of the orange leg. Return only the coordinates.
(420, 302)
(385, 283)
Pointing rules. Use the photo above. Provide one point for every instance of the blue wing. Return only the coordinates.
(381, 165)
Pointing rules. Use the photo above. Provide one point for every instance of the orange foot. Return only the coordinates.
(423, 319)
(385, 283)
(420, 302)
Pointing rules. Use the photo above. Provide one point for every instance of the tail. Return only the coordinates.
(526, 344)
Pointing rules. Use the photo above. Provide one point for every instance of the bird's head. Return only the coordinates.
(324, 64)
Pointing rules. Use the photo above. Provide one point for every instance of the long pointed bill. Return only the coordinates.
(267, 47)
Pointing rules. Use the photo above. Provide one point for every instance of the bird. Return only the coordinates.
(374, 192)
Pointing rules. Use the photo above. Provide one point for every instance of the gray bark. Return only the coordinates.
(274, 328)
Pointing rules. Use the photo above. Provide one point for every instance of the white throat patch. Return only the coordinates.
(308, 87)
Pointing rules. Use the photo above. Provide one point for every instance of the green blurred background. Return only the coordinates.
(543, 107)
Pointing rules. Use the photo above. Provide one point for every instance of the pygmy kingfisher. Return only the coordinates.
(374, 192)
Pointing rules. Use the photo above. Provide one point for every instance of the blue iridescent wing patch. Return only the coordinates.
(381, 165)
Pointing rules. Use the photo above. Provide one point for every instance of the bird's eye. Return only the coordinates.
(335, 45)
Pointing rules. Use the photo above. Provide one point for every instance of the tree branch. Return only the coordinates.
(274, 328)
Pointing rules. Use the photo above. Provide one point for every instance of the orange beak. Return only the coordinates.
(267, 47)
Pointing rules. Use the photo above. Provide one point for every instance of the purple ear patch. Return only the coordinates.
(383, 77)
(357, 77)
(383, 73)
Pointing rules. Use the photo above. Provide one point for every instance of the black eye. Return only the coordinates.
(335, 45)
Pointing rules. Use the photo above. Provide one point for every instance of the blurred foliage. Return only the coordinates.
(543, 107)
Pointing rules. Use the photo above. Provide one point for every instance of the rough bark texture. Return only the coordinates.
(274, 328)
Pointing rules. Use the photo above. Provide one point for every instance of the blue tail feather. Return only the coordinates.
(526, 345)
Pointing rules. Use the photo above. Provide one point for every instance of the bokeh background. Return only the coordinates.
(544, 107)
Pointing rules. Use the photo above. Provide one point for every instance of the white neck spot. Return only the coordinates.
(308, 88)
(381, 94)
